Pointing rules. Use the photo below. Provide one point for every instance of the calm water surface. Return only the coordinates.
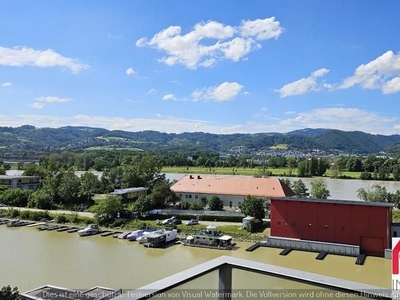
(30, 258)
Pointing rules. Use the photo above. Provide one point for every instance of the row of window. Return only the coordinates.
(310, 225)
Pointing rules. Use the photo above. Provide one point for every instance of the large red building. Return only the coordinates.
(366, 224)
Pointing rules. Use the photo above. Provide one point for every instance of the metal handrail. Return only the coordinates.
(225, 265)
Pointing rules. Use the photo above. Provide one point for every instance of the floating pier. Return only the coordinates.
(286, 251)
(63, 228)
(253, 247)
(321, 255)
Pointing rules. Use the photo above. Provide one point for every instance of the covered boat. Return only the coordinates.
(134, 235)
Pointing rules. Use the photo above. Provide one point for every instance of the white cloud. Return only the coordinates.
(392, 86)
(382, 73)
(40, 101)
(6, 84)
(224, 92)
(23, 56)
(50, 99)
(169, 97)
(152, 92)
(37, 105)
(230, 43)
(348, 119)
(304, 85)
(130, 71)
(261, 29)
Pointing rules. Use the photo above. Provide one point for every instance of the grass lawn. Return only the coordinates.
(245, 171)
(227, 171)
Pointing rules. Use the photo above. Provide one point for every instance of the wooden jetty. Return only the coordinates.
(63, 228)
(73, 229)
(106, 233)
(53, 227)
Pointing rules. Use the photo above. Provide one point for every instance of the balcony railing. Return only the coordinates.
(328, 287)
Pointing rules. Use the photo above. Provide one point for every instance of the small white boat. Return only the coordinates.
(90, 230)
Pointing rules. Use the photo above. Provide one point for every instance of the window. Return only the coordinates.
(196, 196)
(190, 196)
(278, 223)
(326, 226)
(309, 225)
(230, 203)
(186, 196)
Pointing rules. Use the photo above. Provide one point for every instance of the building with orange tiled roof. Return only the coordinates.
(230, 189)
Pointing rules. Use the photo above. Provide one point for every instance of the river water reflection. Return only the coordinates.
(30, 258)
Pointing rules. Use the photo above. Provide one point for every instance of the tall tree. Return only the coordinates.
(106, 210)
(299, 188)
(163, 196)
(215, 203)
(89, 184)
(68, 189)
(8, 293)
(376, 194)
(253, 206)
(319, 189)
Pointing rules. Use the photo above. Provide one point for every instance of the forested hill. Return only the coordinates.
(28, 138)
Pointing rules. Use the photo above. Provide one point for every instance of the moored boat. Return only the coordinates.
(17, 223)
(161, 238)
(134, 235)
(91, 229)
(209, 237)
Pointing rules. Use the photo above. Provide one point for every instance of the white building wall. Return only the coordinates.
(228, 200)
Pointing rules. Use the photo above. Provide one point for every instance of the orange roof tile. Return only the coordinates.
(234, 185)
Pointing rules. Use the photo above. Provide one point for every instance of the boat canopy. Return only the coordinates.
(225, 238)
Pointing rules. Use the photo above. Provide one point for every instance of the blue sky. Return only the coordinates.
(213, 66)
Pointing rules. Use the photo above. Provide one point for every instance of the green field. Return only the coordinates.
(112, 149)
(280, 147)
(245, 171)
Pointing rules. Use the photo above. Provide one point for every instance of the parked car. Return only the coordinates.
(172, 221)
(192, 222)
(176, 221)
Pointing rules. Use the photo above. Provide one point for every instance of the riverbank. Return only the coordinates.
(81, 219)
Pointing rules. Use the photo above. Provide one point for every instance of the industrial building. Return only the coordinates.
(364, 225)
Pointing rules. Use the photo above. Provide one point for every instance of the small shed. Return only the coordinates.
(246, 221)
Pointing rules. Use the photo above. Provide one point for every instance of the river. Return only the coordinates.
(31, 258)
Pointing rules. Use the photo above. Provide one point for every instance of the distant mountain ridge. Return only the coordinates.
(30, 138)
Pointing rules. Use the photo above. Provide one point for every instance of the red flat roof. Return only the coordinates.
(335, 201)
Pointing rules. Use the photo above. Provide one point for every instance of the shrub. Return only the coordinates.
(254, 225)
(12, 213)
(61, 219)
